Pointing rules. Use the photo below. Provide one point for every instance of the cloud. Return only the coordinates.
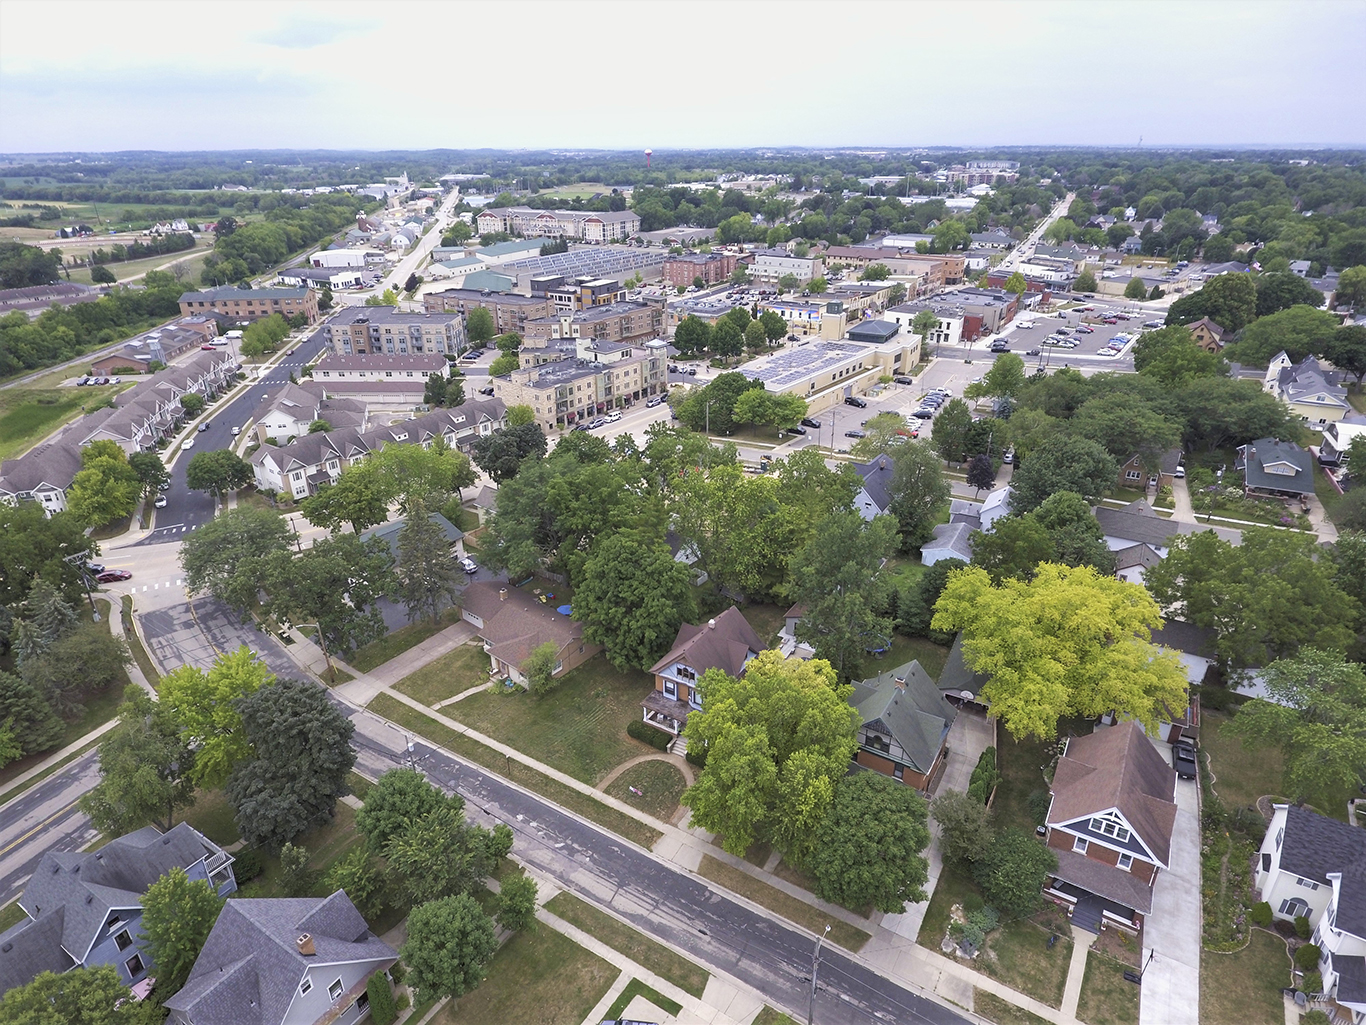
(300, 31)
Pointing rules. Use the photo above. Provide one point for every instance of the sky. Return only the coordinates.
(628, 75)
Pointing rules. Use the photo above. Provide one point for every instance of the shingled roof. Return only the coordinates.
(911, 708)
(724, 643)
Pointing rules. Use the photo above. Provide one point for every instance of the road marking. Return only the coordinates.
(46, 822)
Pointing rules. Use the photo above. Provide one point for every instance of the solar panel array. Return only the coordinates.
(594, 261)
(784, 369)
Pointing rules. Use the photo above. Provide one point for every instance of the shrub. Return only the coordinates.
(1307, 957)
(1313, 983)
(382, 1008)
(984, 777)
(401, 1003)
(1302, 927)
(1012, 872)
(246, 866)
(1261, 914)
(1038, 806)
(643, 731)
(398, 973)
(696, 756)
(1316, 1017)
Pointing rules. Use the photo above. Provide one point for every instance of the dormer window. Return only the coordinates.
(1110, 825)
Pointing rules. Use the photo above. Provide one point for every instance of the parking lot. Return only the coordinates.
(1084, 332)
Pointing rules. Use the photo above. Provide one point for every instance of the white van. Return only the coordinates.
(613, 416)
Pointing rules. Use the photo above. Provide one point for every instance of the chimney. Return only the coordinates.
(502, 594)
(711, 624)
(900, 682)
(305, 944)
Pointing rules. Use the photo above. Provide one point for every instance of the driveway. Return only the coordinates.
(1170, 992)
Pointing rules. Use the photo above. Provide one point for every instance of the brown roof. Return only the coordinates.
(515, 623)
(1118, 768)
(1104, 880)
(722, 643)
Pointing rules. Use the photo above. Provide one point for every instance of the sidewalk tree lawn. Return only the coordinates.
(449, 946)
(227, 557)
(105, 488)
(635, 570)
(777, 741)
(177, 915)
(400, 797)
(869, 846)
(837, 579)
(302, 753)
(1066, 463)
(360, 497)
(1264, 599)
(146, 765)
(1069, 642)
(919, 491)
(1316, 714)
(206, 708)
(218, 472)
(150, 470)
(427, 574)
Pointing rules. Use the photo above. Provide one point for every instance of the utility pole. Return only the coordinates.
(79, 561)
(815, 963)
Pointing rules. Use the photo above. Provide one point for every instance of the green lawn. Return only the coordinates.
(27, 415)
(213, 816)
(140, 655)
(768, 1016)
(194, 263)
(538, 782)
(799, 911)
(537, 978)
(1106, 998)
(453, 673)
(636, 988)
(1021, 765)
(1002, 1012)
(666, 963)
(359, 785)
(661, 785)
(1248, 990)
(904, 571)
(579, 727)
(931, 656)
(373, 655)
(766, 620)
(11, 915)
(1241, 775)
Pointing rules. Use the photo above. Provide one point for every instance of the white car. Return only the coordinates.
(187, 443)
(613, 416)
(160, 502)
(236, 431)
(469, 565)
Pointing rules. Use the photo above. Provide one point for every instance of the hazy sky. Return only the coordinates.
(189, 75)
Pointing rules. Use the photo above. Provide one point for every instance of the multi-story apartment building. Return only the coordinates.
(510, 311)
(383, 329)
(384, 380)
(616, 322)
(588, 377)
(771, 264)
(580, 224)
(713, 268)
(247, 304)
(580, 293)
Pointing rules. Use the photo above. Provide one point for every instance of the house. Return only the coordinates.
(1135, 470)
(389, 533)
(1276, 469)
(85, 908)
(994, 506)
(963, 511)
(1133, 245)
(1338, 438)
(295, 960)
(513, 623)
(1310, 390)
(1208, 335)
(1312, 866)
(295, 407)
(787, 636)
(951, 541)
(1110, 825)
(726, 643)
(875, 496)
(1138, 536)
(904, 724)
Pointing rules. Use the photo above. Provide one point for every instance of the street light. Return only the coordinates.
(815, 963)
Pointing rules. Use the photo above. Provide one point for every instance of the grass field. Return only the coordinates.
(638, 947)
(453, 673)
(579, 190)
(660, 783)
(537, 978)
(191, 259)
(382, 650)
(1240, 775)
(27, 415)
(766, 620)
(1002, 1012)
(579, 727)
(135, 645)
(213, 816)
(1249, 983)
(1106, 998)
(777, 901)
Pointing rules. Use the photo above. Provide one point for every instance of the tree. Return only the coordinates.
(399, 798)
(1066, 463)
(1230, 300)
(383, 1009)
(517, 416)
(774, 325)
(981, 473)
(517, 903)
(693, 335)
(150, 470)
(1126, 426)
(317, 427)
(1346, 350)
(36, 546)
(1117, 234)
(502, 453)
(836, 578)
(1281, 290)
(479, 325)
(192, 403)
(776, 739)
(386, 298)
(918, 492)
(1016, 283)
(411, 284)
(457, 234)
(1351, 290)
(81, 996)
(86, 660)
(756, 338)
(326, 298)
(632, 570)
(177, 916)
(145, 769)
(1013, 548)
(951, 431)
(106, 488)
(219, 471)
(965, 830)
(712, 408)
(1067, 642)
(868, 848)
(356, 874)
(504, 365)
(427, 573)
(1171, 357)
(226, 557)
(1221, 411)
(360, 497)
(302, 755)
(1136, 289)
(876, 272)
(206, 708)
(102, 275)
(727, 337)
(539, 667)
(434, 393)
(915, 606)
(1315, 713)
(1004, 380)
(1299, 331)
(412, 474)
(32, 723)
(450, 943)
(1012, 872)
(788, 283)
(1085, 281)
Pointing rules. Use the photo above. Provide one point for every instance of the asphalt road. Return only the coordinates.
(44, 818)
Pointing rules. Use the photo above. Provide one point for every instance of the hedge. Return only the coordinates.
(382, 1009)
(984, 777)
(696, 756)
(246, 866)
(643, 731)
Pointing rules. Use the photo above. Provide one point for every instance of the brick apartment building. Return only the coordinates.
(712, 268)
(574, 380)
(617, 322)
(510, 312)
(248, 304)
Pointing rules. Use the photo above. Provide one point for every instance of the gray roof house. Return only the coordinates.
(904, 723)
(957, 682)
(390, 531)
(951, 541)
(1308, 388)
(1275, 468)
(283, 961)
(86, 908)
(875, 497)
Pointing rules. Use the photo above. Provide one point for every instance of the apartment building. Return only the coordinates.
(771, 264)
(381, 379)
(713, 268)
(248, 304)
(510, 311)
(610, 226)
(384, 329)
(616, 322)
(573, 380)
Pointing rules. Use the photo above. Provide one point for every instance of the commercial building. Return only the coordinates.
(713, 268)
(949, 330)
(336, 278)
(511, 312)
(610, 226)
(772, 264)
(248, 304)
(379, 379)
(387, 330)
(572, 380)
(569, 294)
(826, 372)
(617, 322)
(606, 261)
(161, 345)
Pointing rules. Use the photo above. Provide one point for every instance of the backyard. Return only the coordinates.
(1249, 981)
(452, 673)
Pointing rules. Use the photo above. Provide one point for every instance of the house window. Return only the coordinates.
(1293, 907)
(1299, 881)
(123, 940)
(134, 965)
(305, 986)
(1280, 835)
(898, 772)
(1109, 827)
(1080, 844)
(362, 1003)
(335, 990)
(1126, 861)
(1132, 475)
(670, 689)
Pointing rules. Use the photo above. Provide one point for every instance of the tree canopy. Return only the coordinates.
(450, 943)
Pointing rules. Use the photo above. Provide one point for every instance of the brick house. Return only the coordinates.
(712, 268)
(1208, 335)
(904, 724)
(247, 304)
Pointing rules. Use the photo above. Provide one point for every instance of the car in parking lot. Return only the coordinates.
(854, 400)
(111, 576)
(1086, 329)
(1152, 323)
(809, 422)
(924, 413)
(469, 565)
(856, 434)
(1183, 759)
(797, 429)
(160, 502)
(1064, 331)
(1110, 320)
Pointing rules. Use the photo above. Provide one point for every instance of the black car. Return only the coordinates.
(1183, 759)
(1032, 352)
(854, 400)
(797, 430)
(203, 427)
(855, 434)
(485, 391)
(808, 422)
(924, 413)
(903, 379)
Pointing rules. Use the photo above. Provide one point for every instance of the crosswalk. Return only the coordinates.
(157, 587)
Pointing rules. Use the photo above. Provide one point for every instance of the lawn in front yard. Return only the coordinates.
(376, 654)
(1247, 984)
(537, 978)
(660, 783)
(1106, 997)
(453, 673)
(1002, 1012)
(579, 727)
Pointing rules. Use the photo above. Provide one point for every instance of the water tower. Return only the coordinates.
(648, 154)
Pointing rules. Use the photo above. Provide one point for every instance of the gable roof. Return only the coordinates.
(515, 623)
(31, 948)
(909, 705)
(724, 643)
(877, 480)
(250, 966)
(389, 532)
(953, 538)
(1118, 767)
(1210, 326)
(1139, 522)
(1315, 845)
(1258, 455)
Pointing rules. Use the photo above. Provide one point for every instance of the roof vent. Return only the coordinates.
(56, 868)
(711, 624)
(305, 944)
(165, 840)
(90, 898)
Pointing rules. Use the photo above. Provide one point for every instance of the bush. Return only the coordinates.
(398, 973)
(246, 866)
(984, 777)
(382, 1008)
(1307, 957)
(402, 1002)
(1013, 870)
(1302, 927)
(1261, 914)
(1313, 983)
(1038, 806)
(643, 731)
(696, 756)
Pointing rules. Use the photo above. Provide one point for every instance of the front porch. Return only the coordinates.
(665, 713)
(1091, 911)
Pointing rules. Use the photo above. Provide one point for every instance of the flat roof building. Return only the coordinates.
(248, 304)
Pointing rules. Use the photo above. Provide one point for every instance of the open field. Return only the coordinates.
(28, 415)
(191, 259)
(579, 190)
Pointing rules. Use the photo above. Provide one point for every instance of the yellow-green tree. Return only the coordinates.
(106, 488)
(205, 705)
(1069, 642)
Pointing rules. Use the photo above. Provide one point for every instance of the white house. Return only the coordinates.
(996, 505)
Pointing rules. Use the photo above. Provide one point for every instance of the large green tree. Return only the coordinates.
(36, 546)
(919, 492)
(965, 828)
(951, 428)
(502, 453)
(427, 574)
(206, 707)
(227, 556)
(1127, 426)
(1067, 463)
(1067, 642)
(360, 497)
(106, 488)
(145, 769)
(450, 943)
(1012, 872)
(712, 408)
(150, 470)
(1299, 331)
(32, 723)
(479, 325)
(177, 916)
(219, 471)
(1004, 380)
(400, 798)
(1230, 300)
(81, 996)
(1171, 357)
(1280, 290)
(439, 854)
(1346, 350)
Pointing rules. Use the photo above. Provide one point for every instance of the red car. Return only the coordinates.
(1110, 320)
(111, 576)
(207, 348)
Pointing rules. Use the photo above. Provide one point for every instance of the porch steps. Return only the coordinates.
(678, 746)
(1087, 914)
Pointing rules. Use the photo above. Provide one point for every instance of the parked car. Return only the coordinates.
(188, 443)
(855, 434)
(207, 348)
(613, 416)
(854, 400)
(903, 379)
(1183, 759)
(1009, 457)
(203, 427)
(597, 421)
(809, 422)
(924, 412)
(165, 485)
(580, 427)
(111, 576)
(469, 565)
(236, 431)
(797, 430)
(486, 391)
(160, 502)
(1111, 320)
(651, 403)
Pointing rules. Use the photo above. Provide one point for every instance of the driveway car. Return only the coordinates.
(111, 576)
(810, 422)
(1183, 759)
(854, 400)
(469, 565)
